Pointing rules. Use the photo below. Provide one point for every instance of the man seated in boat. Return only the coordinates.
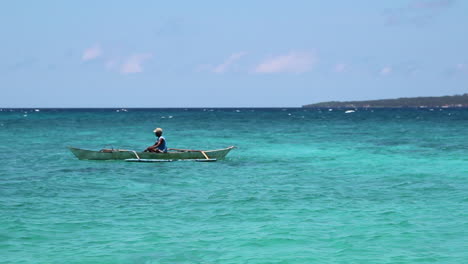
(160, 144)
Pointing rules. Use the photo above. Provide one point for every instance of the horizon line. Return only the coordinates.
(168, 107)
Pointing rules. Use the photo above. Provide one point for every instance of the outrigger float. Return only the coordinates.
(135, 156)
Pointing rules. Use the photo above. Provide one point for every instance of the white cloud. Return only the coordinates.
(134, 63)
(386, 70)
(340, 67)
(294, 62)
(228, 62)
(91, 53)
(461, 67)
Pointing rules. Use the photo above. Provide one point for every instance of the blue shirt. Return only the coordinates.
(163, 146)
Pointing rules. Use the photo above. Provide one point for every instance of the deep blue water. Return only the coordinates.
(303, 186)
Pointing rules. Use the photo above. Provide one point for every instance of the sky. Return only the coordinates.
(229, 53)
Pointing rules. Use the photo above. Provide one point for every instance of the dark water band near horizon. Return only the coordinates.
(303, 186)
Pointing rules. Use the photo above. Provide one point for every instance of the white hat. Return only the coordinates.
(157, 130)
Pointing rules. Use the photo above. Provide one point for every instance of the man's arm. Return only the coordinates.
(153, 147)
(157, 143)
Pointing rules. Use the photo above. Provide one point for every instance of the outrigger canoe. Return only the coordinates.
(131, 155)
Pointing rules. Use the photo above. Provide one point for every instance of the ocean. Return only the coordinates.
(302, 186)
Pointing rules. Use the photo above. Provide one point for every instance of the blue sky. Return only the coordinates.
(229, 53)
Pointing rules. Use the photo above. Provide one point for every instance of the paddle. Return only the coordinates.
(134, 152)
(204, 154)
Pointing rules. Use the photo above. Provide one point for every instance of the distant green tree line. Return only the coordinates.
(437, 101)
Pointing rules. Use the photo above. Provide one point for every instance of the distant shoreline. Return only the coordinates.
(455, 101)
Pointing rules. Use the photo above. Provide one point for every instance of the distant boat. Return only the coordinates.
(349, 111)
(131, 155)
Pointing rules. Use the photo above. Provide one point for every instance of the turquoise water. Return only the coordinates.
(303, 186)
